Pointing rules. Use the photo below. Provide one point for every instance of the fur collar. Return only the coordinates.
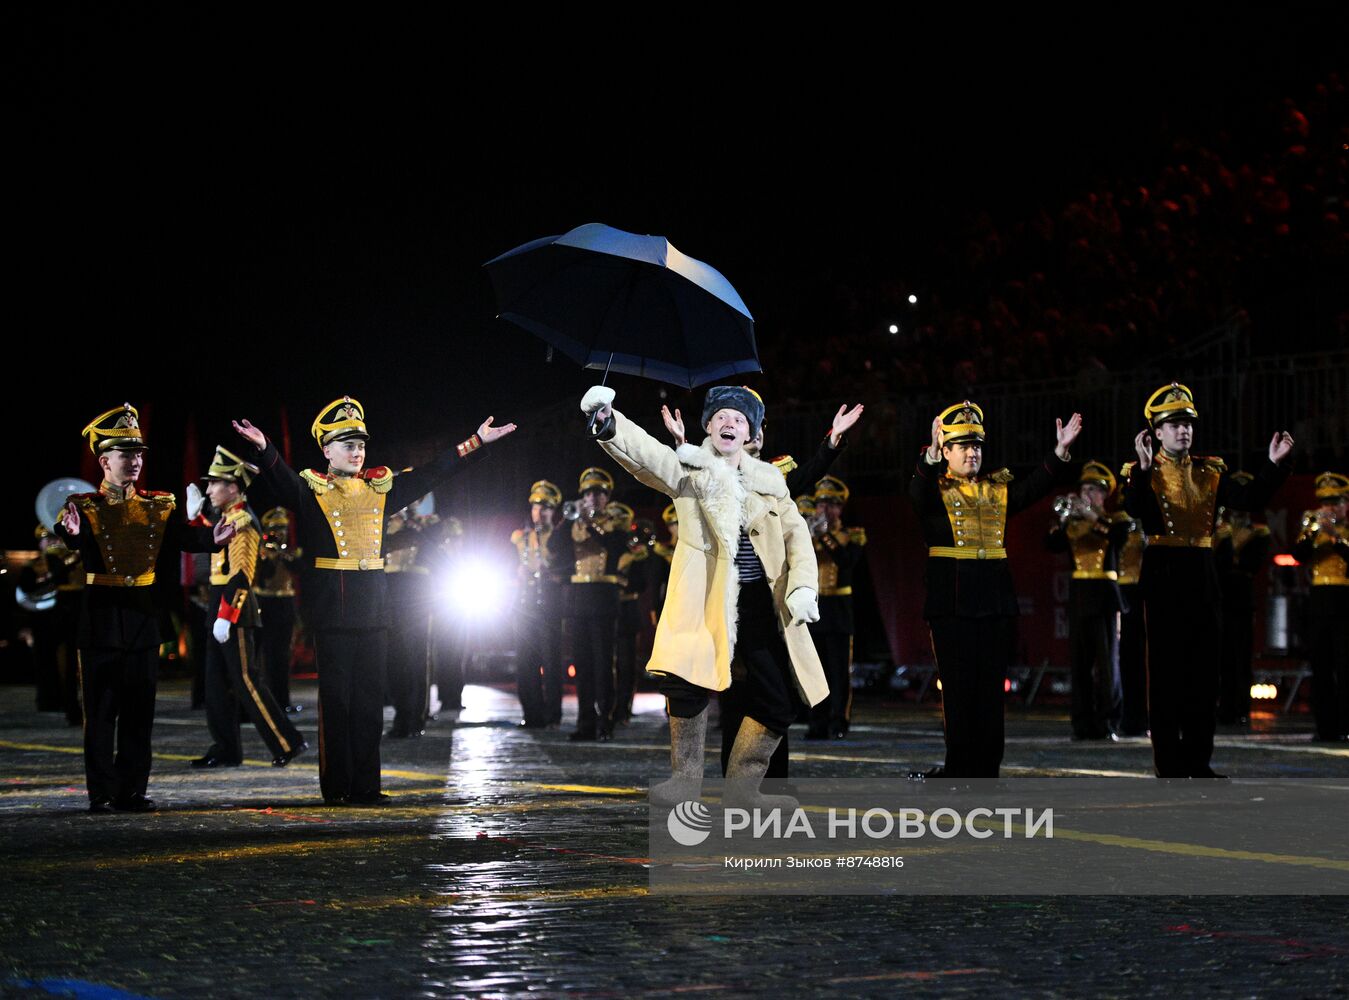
(758, 476)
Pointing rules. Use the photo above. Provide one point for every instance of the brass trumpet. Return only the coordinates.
(1070, 505)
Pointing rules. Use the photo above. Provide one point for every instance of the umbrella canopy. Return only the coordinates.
(611, 299)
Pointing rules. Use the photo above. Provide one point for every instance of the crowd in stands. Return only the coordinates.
(1235, 228)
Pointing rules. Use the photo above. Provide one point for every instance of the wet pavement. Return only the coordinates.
(512, 862)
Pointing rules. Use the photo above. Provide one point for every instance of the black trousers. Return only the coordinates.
(449, 660)
(625, 659)
(278, 627)
(832, 715)
(767, 693)
(46, 667)
(409, 667)
(1183, 651)
(234, 680)
(592, 650)
(351, 665)
(1097, 700)
(538, 664)
(972, 656)
(118, 687)
(1133, 663)
(1234, 685)
(1328, 644)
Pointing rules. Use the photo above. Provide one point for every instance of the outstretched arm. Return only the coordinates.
(409, 487)
(281, 481)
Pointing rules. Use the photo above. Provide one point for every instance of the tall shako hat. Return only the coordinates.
(230, 468)
(341, 419)
(119, 428)
(962, 422)
(1168, 403)
(735, 397)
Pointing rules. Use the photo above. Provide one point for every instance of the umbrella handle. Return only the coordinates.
(595, 416)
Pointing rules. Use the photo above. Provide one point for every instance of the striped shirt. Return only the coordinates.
(746, 562)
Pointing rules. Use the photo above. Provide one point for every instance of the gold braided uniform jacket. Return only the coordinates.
(234, 567)
(129, 541)
(1177, 501)
(591, 550)
(276, 570)
(340, 528)
(1324, 549)
(971, 516)
(837, 554)
(538, 577)
(1095, 547)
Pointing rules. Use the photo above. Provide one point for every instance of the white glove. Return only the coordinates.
(597, 397)
(221, 629)
(804, 605)
(194, 500)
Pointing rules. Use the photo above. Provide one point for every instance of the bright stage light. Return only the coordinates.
(1264, 692)
(1286, 559)
(477, 590)
(913, 300)
(894, 328)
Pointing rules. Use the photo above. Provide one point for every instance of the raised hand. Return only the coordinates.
(843, 421)
(934, 449)
(1280, 446)
(1143, 446)
(1066, 434)
(195, 500)
(674, 424)
(70, 519)
(487, 433)
(251, 434)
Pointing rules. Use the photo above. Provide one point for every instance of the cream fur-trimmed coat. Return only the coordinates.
(695, 638)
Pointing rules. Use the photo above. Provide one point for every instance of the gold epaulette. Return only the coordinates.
(784, 464)
(1260, 530)
(857, 536)
(380, 478)
(1126, 470)
(1001, 476)
(239, 517)
(317, 481)
(1120, 517)
(1212, 462)
(1223, 531)
(159, 496)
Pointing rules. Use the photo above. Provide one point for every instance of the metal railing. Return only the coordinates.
(1240, 406)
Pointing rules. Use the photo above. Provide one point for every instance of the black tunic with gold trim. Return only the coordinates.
(128, 539)
(1324, 547)
(1177, 500)
(341, 531)
(234, 677)
(344, 600)
(964, 524)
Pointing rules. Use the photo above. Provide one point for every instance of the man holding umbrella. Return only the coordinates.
(742, 582)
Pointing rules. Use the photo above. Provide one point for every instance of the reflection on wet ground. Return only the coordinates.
(513, 862)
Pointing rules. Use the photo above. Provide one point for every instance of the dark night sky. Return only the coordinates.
(214, 217)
